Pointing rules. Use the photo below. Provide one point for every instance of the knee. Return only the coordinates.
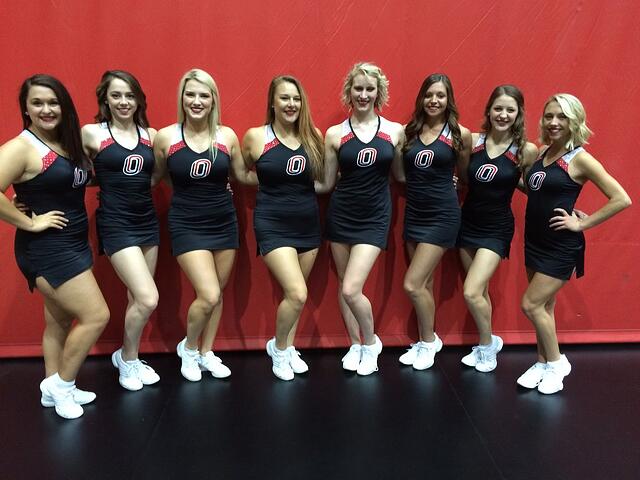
(350, 292)
(411, 288)
(529, 307)
(147, 301)
(472, 295)
(100, 318)
(297, 296)
(209, 299)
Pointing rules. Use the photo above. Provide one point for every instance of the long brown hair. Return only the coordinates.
(306, 130)
(68, 130)
(414, 127)
(104, 113)
(517, 129)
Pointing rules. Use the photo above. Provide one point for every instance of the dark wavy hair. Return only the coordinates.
(309, 137)
(517, 129)
(414, 127)
(68, 130)
(104, 113)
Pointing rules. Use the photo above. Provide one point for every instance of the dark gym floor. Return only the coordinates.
(449, 422)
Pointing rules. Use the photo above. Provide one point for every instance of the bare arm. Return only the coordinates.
(584, 167)
(331, 145)
(160, 152)
(463, 157)
(15, 167)
(397, 167)
(528, 158)
(239, 170)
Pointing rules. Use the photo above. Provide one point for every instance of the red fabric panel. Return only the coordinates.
(587, 48)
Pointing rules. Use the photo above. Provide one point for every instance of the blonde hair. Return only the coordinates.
(306, 130)
(370, 70)
(574, 111)
(214, 115)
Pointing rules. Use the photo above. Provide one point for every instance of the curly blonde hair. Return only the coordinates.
(370, 70)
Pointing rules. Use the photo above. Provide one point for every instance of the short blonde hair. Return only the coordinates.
(574, 111)
(370, 70)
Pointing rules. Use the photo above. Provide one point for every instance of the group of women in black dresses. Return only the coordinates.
(51, 162)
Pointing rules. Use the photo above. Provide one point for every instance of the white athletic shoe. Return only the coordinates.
(533, 376)
(487, 355)
(281, 361)
(471, 359)
(427, 353)
(553, 376)
(297, 364)
(63, 401)
(212, 363)
(408, 357)
(369, 357)
(135, 373)
(189, 368)
(351, 360)
(81, 397)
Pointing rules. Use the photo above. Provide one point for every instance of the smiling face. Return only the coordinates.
(503, 113)
(363, 92)
(435, 100)
(286, 102)
(121, 100)
(197, 101)
(43, 109)
(555, 123)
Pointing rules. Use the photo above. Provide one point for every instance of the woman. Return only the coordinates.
(435, 145)
(49, 172)
(363, 147)
(287, 155)
(120, 147)
(199, 154)
(554, 242)
(500, 153)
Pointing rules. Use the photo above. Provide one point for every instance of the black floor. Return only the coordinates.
(449, 422)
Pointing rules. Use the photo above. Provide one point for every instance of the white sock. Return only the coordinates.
(61, 385)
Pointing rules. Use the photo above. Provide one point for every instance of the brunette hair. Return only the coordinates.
(68, 130)
(414, 127)
(517, 129)
(104, 112)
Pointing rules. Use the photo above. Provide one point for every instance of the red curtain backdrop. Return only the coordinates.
(588, 48)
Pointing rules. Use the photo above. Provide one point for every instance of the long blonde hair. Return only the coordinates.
(213, 119)
(306, 130)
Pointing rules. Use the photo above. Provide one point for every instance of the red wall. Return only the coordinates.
(583, 47)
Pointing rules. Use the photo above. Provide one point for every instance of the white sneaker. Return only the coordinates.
(128, 377)
(487, 355)
(189, 367)
(471, 359)
(297, 364)
(533, 376)
(369, 357)
(211, 363)
(427, 353)
(281, 361)
(146, 374)
(63, 401)
(553, 376)
(408, 357)
(81, 397)
(135, 373)
(351, 360)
